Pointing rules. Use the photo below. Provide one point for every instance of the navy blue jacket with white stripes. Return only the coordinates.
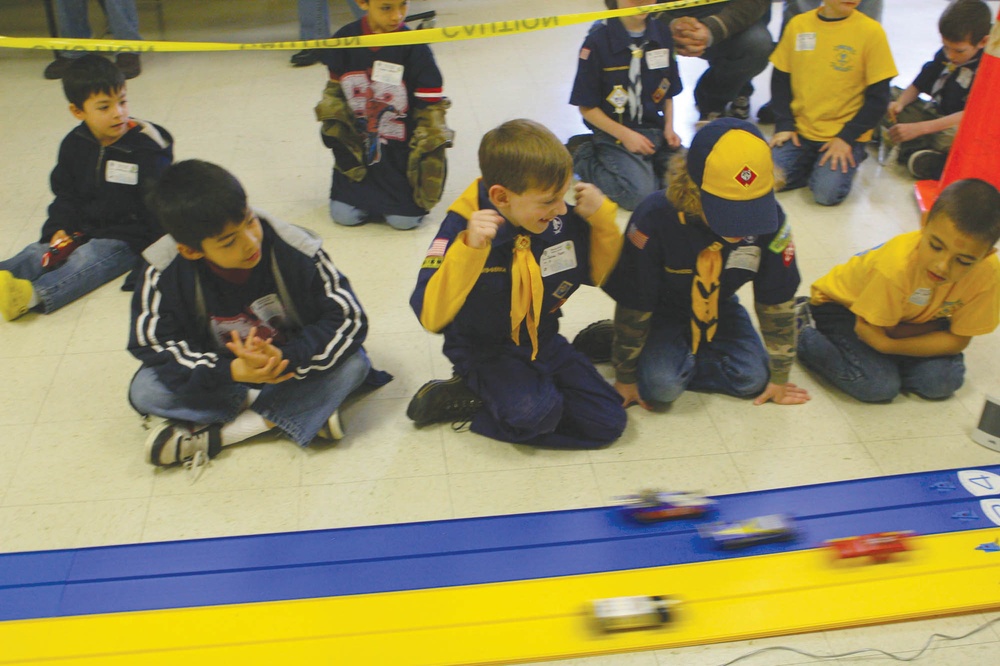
(182, 312)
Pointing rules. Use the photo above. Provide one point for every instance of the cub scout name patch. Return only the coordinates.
(122, 173)
(558, 258)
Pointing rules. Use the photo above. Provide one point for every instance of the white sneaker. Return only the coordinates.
(333, 430)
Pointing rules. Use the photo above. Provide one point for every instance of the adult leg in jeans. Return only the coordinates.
(314, 19)
(404, 222)
(833, 350)
(624, 177)
(831, 186)
(91, 265)
(301, 407)
(935, 378)
(123, 19)
(735, 361)
(732, 64)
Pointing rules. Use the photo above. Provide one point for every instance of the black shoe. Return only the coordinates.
(926, 164)
(443, 400)
(55, 69)
(576, 141)
(765, 114)
(129, 64)
(594, 342)
(304, 58)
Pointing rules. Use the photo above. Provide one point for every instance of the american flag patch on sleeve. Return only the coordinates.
(637, 237)
(438, 247)
(584, 54)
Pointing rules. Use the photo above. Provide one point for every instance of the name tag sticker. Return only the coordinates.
(658, 58)
(558, 258)
(745, 258)
(921, 296)
(964, 78)
(805, 41)
(122, 173)
(387, 72)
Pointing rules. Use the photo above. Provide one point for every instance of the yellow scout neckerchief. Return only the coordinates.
(705, 293)
(526, 292)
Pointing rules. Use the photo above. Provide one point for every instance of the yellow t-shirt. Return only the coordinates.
(885, 287)
(831, 63)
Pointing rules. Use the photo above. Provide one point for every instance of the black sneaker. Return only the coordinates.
(175, 443)
(578, 140)
(129, 64)
(926, 164)
(765, 114)
(739, 108)
(304, 58)
(594, 342)
(443, 400)
(55, 69)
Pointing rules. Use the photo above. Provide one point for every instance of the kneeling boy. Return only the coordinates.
(897, 317)
(506, 257)
(242, 324)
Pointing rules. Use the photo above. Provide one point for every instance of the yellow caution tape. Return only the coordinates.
(424, 36)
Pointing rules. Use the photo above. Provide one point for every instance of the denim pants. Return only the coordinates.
(94, 263)
(349, 216)
(557, 401)
(314, 18)
(800, 165)
(833, 350)
(123, 19)
(299, 407)
(623, 176)
(734, 362)
(732, 64)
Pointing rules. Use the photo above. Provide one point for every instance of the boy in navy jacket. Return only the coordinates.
(242, 324)
(98, 224)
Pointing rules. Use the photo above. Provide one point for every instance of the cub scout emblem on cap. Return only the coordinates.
(618, 98)
(746, 176)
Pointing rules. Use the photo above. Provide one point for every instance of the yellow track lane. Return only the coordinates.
(534, 619)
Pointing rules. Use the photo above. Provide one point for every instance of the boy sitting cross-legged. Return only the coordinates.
(506, 257)
(98, 224)
(242, 324)
(897, 317)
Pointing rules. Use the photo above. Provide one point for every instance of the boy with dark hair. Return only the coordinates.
(507, 256)
(829, 88)
(383, 115)
(897, 317)
(98, 224)
(242, 324)
(925, 130)
(626, 79)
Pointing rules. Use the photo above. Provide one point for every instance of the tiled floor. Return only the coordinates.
(71, 472)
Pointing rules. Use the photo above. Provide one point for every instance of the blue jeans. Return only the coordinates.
(732, 64)
(800, 165)
(94, 263)
(314, 18)
(299, 407)
(734, 362)
(625, 177)
(123, 19)
(349, 216)
(833, 350)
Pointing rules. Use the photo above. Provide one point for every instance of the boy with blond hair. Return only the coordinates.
(505, 259)
(897, 317)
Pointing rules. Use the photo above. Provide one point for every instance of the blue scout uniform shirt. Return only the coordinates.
(946, 84)
(602, 72)
(383, 85)
(657, 264)
(562, 252)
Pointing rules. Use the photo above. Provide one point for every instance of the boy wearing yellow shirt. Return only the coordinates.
(897, 317)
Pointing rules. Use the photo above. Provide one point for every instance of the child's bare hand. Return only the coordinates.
(588, 199)
(900, 133)
(272, 372)
(838, 153)
(637, 143)
(673, 138)
(630, 395)
(482, 228)
(783, 394)
(780, 138)
(894, 109)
